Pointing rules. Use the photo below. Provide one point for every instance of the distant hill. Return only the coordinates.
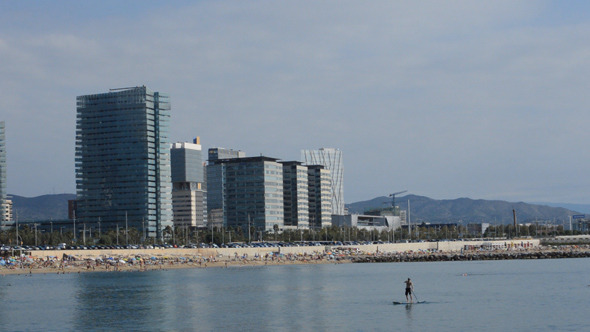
(424, 209)
(46, 207)
(583, 208)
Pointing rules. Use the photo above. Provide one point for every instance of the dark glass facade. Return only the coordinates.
(123, 160)
(252, 192)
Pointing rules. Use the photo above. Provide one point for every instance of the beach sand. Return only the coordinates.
(85, 266)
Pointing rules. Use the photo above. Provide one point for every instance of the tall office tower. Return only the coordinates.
(295, 194)
(253, 193)
(331, 159)
(123, 160)
(215, 177)
(4, 211)
(320, 196)
(189, 198)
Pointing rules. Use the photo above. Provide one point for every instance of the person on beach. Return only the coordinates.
(409, 290)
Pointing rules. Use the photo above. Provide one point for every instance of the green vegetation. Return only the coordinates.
(184, 236)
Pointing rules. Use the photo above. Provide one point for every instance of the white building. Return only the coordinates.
(368, 222)
(189, 197)
(5, 213)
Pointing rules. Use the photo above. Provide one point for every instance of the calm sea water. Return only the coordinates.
(540, 295)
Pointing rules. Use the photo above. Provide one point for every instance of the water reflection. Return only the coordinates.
(347, 297)
(23, 295)
(117, 299)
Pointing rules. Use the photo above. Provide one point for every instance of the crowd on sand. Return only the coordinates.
(25, 264)
(29, 265)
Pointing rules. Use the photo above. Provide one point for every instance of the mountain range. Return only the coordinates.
(423, 209)
(46, 207)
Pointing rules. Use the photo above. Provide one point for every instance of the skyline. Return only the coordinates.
(445, 100)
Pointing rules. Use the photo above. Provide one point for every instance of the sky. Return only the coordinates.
(445, 99)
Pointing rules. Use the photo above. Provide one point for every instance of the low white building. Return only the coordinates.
(6, 211)
(368, 222)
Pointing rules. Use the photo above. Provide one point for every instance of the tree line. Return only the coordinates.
(184, 236)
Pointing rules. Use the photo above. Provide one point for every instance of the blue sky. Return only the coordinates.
(445, 99)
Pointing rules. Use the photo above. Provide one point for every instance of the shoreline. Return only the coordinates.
(141, 262)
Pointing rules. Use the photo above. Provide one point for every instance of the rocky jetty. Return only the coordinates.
(471, 256)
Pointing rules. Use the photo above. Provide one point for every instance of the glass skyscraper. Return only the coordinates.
(215, 183)
(320, 196)
(252, 193)
(295, 194)
(123, 160)
(331, 159)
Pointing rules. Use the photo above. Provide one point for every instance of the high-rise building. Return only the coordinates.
(4, 210)
(123, 160)
(295, 195)
(189, 198)
(215, 180)
(252, 193)
(320, 196)
(331, 159)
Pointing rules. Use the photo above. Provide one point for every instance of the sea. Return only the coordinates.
(509, 295)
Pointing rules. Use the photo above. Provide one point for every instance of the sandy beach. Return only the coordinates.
(141, 260)
(28, 265)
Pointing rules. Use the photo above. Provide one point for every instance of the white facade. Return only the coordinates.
(189, 199)
(368, 222)
(6, 210)
(4, 205)
(189, 208)
(331, 159)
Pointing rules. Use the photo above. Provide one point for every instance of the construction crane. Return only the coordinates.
(393, 199)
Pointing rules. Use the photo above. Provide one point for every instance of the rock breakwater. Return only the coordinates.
(470, 256)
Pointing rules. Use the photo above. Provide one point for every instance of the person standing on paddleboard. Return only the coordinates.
(409, 290)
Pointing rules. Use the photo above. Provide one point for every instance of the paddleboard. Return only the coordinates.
(394, 302)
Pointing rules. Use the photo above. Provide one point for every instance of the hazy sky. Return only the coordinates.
(447, 99)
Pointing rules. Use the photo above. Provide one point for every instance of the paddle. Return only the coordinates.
(416, 296)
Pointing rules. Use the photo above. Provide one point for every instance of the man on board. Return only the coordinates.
(409, 290)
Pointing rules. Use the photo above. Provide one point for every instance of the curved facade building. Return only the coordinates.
(331, 159)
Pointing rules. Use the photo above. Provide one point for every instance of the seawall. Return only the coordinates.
(472, 256)
(221, 253)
